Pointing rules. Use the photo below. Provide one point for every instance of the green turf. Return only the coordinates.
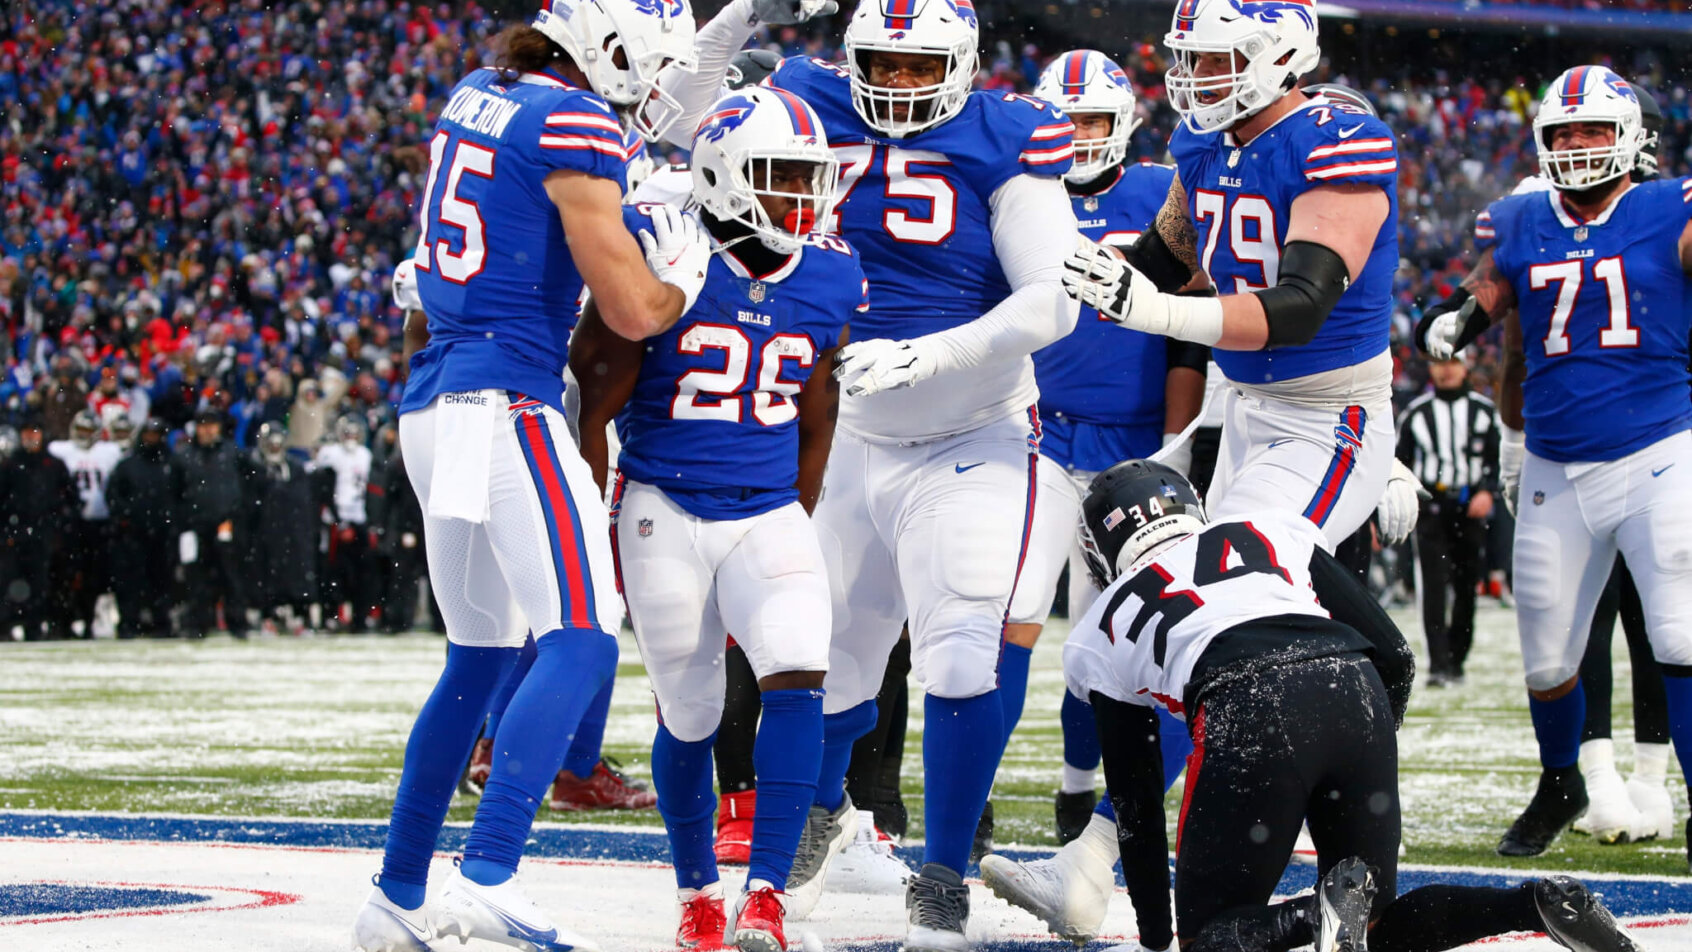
(316, 727)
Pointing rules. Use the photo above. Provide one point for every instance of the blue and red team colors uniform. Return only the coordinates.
(1605, 313)
(1326, 444)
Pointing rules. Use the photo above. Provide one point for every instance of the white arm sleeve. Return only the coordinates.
(713, 48)
(1033, 232)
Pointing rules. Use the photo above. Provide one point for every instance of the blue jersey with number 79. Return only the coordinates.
(1605, 314)
(494, 273)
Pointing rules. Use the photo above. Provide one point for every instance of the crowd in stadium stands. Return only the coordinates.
(201, 205)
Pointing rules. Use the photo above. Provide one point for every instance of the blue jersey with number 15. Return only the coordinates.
(1241, 198)
(713, 420)
(1605, 314)
(1101, 388)
(495, 276)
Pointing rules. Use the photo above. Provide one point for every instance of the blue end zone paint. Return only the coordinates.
(55, 899)
(1625, 897)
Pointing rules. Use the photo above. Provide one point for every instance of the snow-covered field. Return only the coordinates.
(312, 729)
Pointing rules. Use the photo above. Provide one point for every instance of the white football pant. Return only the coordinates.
(1571, 520)
(691, 582)
(932, 533)
(1052, 543)
(541, 560)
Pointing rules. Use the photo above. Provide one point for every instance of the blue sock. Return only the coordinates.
(502, 697)
(1013, 683)
(787, 757)
(1080, 734)
(840, 732)
(1679, 691)
(958, 768)
(681, 773)
(1175, 744)
(590, 734)
(440, 742)
(571, 665)
(1557, 725)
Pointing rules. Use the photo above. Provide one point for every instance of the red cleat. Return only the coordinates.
(702, 924)
(758, 921)
(734, 827)
(604, 789)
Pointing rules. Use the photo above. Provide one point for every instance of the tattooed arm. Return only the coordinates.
(1176, 228)
(1491, 290)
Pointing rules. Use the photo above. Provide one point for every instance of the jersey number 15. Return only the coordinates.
(471, 159)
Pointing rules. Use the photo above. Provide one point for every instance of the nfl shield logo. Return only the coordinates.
(1233, 158)
(1091, 204)
(644, 527)
(1539, 497)
(1580, 233)
(756, 292)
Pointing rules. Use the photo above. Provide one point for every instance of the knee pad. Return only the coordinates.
(691, 720)
(958, 663)
(1550, 677)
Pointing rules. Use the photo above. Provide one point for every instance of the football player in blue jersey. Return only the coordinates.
(1289, 205)
(520, 208)
(1595, 411)
(1106, 395)
(727, 419)
(954, 201)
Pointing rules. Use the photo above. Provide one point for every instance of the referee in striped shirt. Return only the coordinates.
(1449, 439)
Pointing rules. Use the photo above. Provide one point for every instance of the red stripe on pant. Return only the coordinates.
(555, 495)
(1195, 760)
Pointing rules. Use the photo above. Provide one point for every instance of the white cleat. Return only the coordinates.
(1070, 892)
(503, 915)
(867, 864)
(382, 926)
(826, 834)
(1610, 816)
(1656, 809)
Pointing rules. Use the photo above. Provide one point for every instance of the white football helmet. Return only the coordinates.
(622, 46)
(1589, 94)
(738, 142)
(1086, 81)
(944, 28)
(1276, 39)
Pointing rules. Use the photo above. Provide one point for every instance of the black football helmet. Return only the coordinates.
(1131, 507)
(749, 67)
(1334, 92)
(1645, 166)
(85, 429)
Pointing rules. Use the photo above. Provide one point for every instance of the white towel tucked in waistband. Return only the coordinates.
(464, 431)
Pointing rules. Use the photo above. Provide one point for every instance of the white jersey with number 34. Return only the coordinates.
(1142, 637)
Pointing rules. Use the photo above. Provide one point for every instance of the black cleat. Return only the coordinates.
(1074, 812)
(1343, 902)
(936, 910)
(983, 835)
(1561, 798)
(1575, 919)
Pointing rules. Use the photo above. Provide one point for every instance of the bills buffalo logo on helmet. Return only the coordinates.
(660, 8)
(965, 9)
(726, 118)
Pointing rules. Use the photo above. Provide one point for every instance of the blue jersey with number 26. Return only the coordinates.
(1241, 198)
(1101, 387)
(1605, 315)
(495, 276)
(715, 409)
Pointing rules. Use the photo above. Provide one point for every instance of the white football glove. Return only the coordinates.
(405, 286)
(789, 12)
(677, 250)
(1399, 507)
(1098, 277)
(1512, 449)
(871, 366)
(188, 548)
(1442, 335)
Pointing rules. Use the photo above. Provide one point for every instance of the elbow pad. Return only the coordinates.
(1181, 353)
(1312, 280)
(1151, 256)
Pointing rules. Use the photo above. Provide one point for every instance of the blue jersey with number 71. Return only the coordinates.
(494, 273)
(1605, 315)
